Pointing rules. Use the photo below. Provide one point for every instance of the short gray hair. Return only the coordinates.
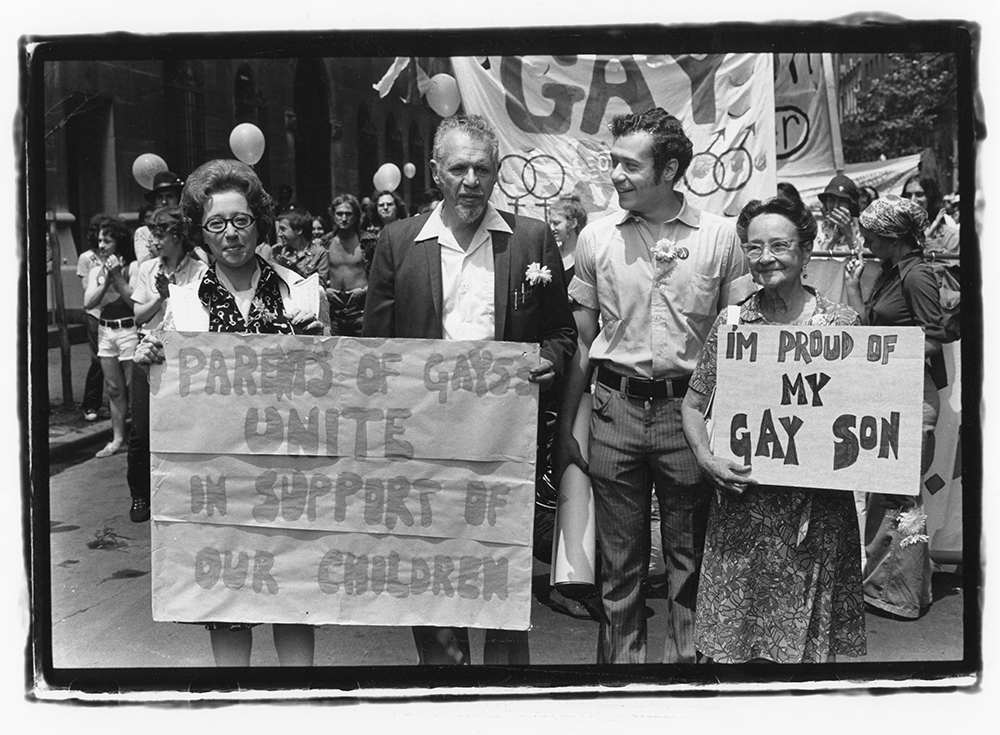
(475, 126)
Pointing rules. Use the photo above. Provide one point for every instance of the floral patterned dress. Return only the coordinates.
(781, 574)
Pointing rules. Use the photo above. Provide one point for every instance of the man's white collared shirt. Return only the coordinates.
(467, 277)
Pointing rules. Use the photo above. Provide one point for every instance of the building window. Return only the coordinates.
(418, 157)
(184, 115)
(250, 107)
(367, 151)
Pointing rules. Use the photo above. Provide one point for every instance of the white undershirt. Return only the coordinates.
(243, 298)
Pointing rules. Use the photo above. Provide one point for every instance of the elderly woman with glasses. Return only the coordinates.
(897, 577)
(781, 574)
(243, 293)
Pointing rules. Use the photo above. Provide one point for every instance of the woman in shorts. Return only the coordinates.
(108, 288)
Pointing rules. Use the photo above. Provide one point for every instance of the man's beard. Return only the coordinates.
(469, 213)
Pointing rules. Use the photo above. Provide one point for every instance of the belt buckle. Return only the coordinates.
(632, 388)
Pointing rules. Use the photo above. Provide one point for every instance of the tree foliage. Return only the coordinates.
(898, 114)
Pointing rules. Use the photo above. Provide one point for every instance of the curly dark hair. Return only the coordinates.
(669, 139)
(795, 212)
(173, 221)
(124, 242)
(222, 175)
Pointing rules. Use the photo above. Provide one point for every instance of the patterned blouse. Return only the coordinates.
(267, 311)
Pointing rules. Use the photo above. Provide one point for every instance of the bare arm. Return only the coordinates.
(722, 473)
(852, 280)
(96, 287)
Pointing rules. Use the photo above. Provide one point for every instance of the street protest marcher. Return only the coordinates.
(319, 228)
(170, 231)
(389, 208)
(240, 293)
(466, 271)
(142, 241)
(567, 218)
(941, 235)
(108, 288)
(349, 263)
(93, 390)
(838, 230)
(649, 282)
(166, 192)
(897, 574)
(295, 249)
(781, 574)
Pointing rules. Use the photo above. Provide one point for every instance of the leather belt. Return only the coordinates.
(643, 387)
(117, 323)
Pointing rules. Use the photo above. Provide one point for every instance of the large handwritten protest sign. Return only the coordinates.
(342, 481)
(822, 407)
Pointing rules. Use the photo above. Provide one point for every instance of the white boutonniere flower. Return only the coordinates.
(911, 524)
(265, 316)
(666, 251)
(537, 274)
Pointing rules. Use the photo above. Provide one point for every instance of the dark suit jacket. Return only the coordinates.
(405, 291)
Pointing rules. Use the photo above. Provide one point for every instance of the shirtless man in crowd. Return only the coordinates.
(348, 285)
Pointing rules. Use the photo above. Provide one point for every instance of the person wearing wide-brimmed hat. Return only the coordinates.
(838, 230)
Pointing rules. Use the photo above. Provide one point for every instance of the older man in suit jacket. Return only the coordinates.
(462, 272)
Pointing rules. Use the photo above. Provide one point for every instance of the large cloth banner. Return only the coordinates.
(552, 113)
(329, 480)
(822, 407)
(943, 481)
(886, 177)
(805, 139)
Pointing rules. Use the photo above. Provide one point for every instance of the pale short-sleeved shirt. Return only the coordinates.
(87, 261)
(829, 236)
(142, 243)
(467, 276)
(656, 313)
(144, 284)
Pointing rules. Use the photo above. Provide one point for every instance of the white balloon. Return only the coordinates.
(247, 143)
(145, 168)
(443, 95)
(387, 177)
(409, 170)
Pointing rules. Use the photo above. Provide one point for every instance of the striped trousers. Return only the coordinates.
(637, 447)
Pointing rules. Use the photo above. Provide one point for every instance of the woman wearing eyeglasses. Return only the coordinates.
(243, 293)
(781, 575)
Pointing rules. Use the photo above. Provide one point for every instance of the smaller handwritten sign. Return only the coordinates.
(822, 407)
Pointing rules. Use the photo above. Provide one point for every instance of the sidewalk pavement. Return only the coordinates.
(69, 432)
